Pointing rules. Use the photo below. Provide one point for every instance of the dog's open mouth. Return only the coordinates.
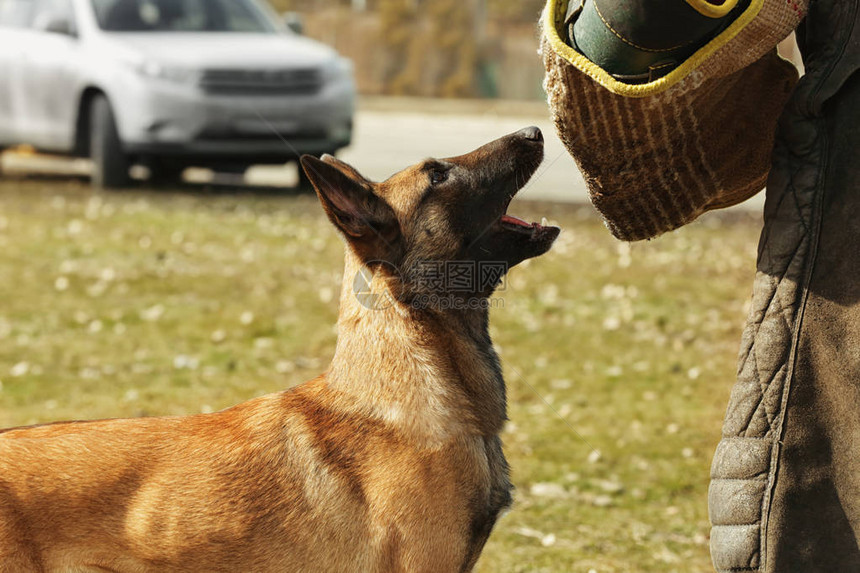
(531, 230)
(512, 223)
(526, 161)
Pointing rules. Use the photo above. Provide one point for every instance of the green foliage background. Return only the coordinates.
(439, 48)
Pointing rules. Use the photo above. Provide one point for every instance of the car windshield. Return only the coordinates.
(181, 16)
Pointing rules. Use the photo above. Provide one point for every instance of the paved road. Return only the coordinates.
(391, 135)
(386, 142)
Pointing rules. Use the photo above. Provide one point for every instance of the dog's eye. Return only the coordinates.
(438, 176)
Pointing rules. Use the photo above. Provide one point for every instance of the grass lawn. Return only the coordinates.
(619, 358)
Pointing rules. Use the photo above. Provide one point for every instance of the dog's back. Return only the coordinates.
(334, 492)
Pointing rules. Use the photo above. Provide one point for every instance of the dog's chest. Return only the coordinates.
(497, 491)
(491, 498)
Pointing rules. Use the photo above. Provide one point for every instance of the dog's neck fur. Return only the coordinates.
(431, 374)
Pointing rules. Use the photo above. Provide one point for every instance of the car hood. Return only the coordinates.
(225, 50)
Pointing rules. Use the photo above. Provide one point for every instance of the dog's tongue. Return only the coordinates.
(511, 220)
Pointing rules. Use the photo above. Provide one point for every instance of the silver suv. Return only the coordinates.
(168, 84)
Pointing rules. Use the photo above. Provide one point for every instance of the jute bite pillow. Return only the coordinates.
(657, 155)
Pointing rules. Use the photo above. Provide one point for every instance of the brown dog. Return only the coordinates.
(389, 462)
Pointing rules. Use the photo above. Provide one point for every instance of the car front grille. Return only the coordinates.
(302, 81)
(226, 134)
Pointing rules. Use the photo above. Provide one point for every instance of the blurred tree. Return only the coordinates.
(431, 47)
(510, 10)
(515, 10)
(455, 51)
(441, 48)
(307, 5)
(398, 30)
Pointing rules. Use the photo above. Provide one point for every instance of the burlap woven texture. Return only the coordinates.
(656, 156)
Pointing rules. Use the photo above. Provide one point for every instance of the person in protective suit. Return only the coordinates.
(656, 101)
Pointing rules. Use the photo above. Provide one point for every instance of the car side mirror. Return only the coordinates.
(294, 22)
(59, 25)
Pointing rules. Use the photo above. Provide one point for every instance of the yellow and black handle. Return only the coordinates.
(639, 41)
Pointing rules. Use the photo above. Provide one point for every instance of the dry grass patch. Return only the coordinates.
(619, 358)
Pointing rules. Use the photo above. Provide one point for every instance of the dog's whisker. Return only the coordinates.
(543, 171)
(525, 187)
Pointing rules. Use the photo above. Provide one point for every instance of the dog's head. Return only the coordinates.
(440, 211)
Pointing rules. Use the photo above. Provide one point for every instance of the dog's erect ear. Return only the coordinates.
(350, 203)
(348, 169)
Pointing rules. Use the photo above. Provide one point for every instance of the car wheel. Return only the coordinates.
(304, 182)
(165, 173)
(232, 168)
(110, 164)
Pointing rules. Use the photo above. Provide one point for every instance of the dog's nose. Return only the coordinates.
(533, 133)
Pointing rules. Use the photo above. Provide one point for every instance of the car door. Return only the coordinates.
(50, 60)
(15, 18)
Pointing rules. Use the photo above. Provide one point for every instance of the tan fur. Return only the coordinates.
(388, 462)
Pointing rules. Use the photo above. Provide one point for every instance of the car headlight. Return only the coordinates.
(338, 68)
(171, 73)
